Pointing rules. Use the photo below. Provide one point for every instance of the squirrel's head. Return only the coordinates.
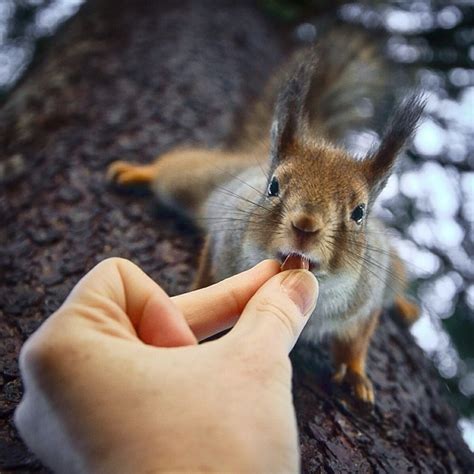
(319, 197)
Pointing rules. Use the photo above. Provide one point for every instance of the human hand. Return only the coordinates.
(115, 381)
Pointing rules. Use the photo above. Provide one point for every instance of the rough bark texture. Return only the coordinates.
(130, 80)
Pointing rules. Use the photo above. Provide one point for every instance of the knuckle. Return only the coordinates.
(41, 354)
(34, 355)
(279, 312)
(113, 262)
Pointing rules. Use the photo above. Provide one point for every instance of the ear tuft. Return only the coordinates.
(404, 121)
(290, 116)
(401, 127)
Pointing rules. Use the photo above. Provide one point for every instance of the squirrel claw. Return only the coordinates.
(126, 174)
(359, 384)
(338, 376)
(117, 170)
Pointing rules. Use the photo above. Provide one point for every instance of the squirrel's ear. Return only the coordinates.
(379, 165)
(291, 118)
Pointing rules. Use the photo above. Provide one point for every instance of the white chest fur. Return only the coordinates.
(334, 299)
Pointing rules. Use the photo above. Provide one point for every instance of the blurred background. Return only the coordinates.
(429, 203)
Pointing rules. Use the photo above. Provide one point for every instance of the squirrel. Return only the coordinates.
(288, 190)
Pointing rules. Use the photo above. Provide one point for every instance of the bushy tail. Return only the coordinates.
(351, 87)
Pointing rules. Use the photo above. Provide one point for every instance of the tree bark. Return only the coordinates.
(130, 80)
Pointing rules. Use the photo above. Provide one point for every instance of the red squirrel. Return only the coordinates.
(288, 190)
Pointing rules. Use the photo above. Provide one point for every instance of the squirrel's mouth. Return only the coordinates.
(295, 260)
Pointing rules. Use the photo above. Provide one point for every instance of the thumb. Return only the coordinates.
(275, 316)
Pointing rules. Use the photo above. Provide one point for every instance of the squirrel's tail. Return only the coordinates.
(351, 87)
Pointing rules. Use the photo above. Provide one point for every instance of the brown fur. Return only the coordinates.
(318, 183)
(407, 311)
(349, 356)
(186, 174)
(126, 174)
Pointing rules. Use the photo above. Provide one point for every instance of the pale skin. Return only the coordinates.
(115, 380)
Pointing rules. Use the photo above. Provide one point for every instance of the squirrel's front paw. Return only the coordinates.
(359, 384)
(126, 174)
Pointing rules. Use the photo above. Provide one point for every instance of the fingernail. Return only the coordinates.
(302, 288)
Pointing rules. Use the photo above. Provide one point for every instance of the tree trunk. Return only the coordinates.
(130, 80)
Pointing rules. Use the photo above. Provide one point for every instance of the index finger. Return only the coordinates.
(213, 309)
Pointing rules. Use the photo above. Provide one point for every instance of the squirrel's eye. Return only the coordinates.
(358, 213)
(274, 187)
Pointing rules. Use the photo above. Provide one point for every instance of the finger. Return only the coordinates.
(217, 307)
(275, 316)
(117, 290)
(163, 325)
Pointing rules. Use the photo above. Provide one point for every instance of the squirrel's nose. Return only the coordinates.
(306, 223)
